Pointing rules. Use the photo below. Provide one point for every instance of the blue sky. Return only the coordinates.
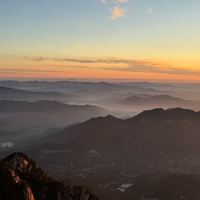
(135, 29)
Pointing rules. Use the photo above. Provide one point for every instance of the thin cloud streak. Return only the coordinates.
(119, 1)
(67, 66)
(40, 58)
(31, 70)
(126, 65)
(108, 61)
(154, 69)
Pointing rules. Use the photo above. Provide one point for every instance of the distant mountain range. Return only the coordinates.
(73, 86)
(154, 101)
(150, 156)
(150, 84)
(146, 129)
(153, 144)
(22, 179)
(18, 94)
(45, 106)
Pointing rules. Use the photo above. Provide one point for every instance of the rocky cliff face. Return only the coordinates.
(22, 179)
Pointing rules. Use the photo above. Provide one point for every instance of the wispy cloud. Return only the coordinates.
(40, 58)
(31, 70)
(120, 64)
(119, 1)
(147, 66)
(118, 12)
(110, 60)
(103, 1)
(155, 69)
(150, 10)
(67, 66)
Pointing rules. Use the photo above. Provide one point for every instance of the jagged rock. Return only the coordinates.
(22, 179)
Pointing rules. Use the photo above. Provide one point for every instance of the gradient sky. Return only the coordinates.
(133, 39)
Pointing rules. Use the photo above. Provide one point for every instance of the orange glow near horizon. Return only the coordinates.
(103, 75)
(99, 68)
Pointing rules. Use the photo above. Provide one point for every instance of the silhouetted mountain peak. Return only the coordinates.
(16, 159)
(110, 117)
(130, 93)
(106, 119)
(168, 114)
(182, 113)
(133, 97)
(23, 163)
(164, 97)
(152, 113)
(180, 110)
(21, 180)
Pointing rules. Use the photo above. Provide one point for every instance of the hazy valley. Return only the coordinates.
(97, 135)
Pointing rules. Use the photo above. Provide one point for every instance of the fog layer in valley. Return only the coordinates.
(100, 134)
(34, 109)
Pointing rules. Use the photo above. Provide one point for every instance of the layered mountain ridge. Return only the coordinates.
(44, 105)
(7, 93)
(153, 100)
(155, 153)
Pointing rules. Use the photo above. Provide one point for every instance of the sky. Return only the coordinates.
(102, 39)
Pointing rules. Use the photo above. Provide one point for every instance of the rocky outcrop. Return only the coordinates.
(22, 179)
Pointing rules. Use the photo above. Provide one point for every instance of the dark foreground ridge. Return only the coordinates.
(22, 179)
